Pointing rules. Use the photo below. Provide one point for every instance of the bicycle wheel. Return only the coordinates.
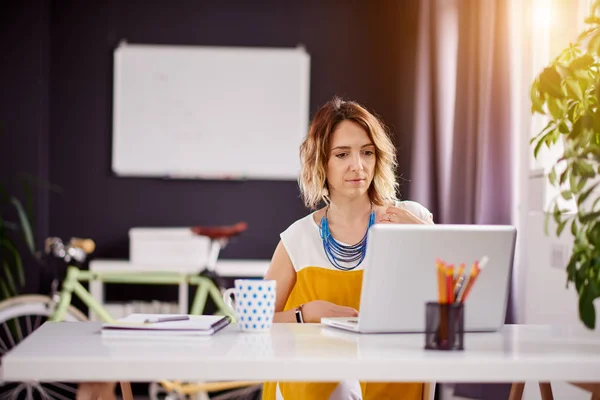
(19, 317)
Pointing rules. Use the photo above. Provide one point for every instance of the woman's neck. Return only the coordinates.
(348, 212)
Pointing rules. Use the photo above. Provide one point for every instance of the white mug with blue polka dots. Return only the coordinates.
(254, 304)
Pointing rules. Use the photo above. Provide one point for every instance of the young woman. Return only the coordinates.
(348, 164)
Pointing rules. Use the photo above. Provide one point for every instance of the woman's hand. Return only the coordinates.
(397, 215)
(317, 309)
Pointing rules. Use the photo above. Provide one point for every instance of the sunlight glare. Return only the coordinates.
(542, 15)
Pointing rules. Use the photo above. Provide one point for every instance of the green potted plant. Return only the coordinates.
(567, 91)
(15, 226)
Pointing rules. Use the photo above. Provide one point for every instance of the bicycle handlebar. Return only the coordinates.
(77, 249)
(87, 245)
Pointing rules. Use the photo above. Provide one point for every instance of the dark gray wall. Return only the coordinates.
(56, 101)
(24, 100)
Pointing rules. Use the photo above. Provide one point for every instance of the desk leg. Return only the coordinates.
(546, 391)
(96, 391)
(593, 388)
(126, 391)
(516, 391)
(183, 298)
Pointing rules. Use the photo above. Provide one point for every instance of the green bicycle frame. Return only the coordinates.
(74, 277)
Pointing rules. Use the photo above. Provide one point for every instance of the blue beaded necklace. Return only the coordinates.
(338, 253)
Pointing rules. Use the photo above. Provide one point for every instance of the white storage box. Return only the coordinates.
(169, 246)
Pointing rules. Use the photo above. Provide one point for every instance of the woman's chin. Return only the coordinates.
(355, 192)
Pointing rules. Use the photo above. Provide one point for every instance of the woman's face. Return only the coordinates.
(351, 164)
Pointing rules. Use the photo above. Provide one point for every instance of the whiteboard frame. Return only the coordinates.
(276, 174)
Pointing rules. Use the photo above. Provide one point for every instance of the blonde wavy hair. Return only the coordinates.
(314, 153)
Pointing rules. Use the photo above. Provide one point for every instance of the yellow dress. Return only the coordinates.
(316, 279)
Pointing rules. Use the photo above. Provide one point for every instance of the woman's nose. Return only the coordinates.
(356, 163)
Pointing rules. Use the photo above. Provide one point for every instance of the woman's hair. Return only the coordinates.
(315, 149)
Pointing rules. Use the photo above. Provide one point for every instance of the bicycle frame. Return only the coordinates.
(72, 285)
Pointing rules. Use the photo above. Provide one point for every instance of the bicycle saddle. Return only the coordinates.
(220, 232)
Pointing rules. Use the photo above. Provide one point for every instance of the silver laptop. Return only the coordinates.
(400, 276)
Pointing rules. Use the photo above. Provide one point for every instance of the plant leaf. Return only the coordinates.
(538, 146)
(537, 100)
(5, 292)
(573, 89)
(561, 227)
(583, 62)
(585, 218)
(546, 223)
(552, 177)
(584, 35)
(556, 108)
(563, 176)
(583, 196)
(9, 277)
(587, 313)
(27, 234)
(593, 233)
(566, 194)
(563, 128)
(6, 242)
(28, 202)
(556, 213)
(594, 42)
(582, 182)
(550, 83)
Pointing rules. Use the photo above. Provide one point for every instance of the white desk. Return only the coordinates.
(225, 268)
(76, 351)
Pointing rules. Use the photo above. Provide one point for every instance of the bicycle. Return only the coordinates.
(20, 310)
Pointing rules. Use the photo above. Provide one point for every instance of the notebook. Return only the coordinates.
(165, 325)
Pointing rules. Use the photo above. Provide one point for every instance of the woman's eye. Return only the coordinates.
(341, 155)
(368, 153)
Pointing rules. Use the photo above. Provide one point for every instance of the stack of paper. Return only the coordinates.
(161, 325)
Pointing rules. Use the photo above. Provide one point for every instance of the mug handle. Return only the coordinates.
(228, 302)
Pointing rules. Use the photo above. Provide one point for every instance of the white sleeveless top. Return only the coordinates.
(315, 278)
(304, 246)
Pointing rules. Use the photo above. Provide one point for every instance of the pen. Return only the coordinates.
(167, 319)
(457, 278)
(460, 282)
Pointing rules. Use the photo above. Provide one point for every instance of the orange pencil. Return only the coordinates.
(475, 271)
(440, 278)
(450, 284)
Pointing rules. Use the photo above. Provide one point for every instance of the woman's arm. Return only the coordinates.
(282, 271)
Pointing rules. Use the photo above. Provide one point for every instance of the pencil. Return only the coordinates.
(459, 275)
(449, 284)
(440, 279)
(475, 271)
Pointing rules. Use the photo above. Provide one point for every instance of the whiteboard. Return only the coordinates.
(209, 112)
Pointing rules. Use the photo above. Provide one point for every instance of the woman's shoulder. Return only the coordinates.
(416, 208)
(300, 226)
